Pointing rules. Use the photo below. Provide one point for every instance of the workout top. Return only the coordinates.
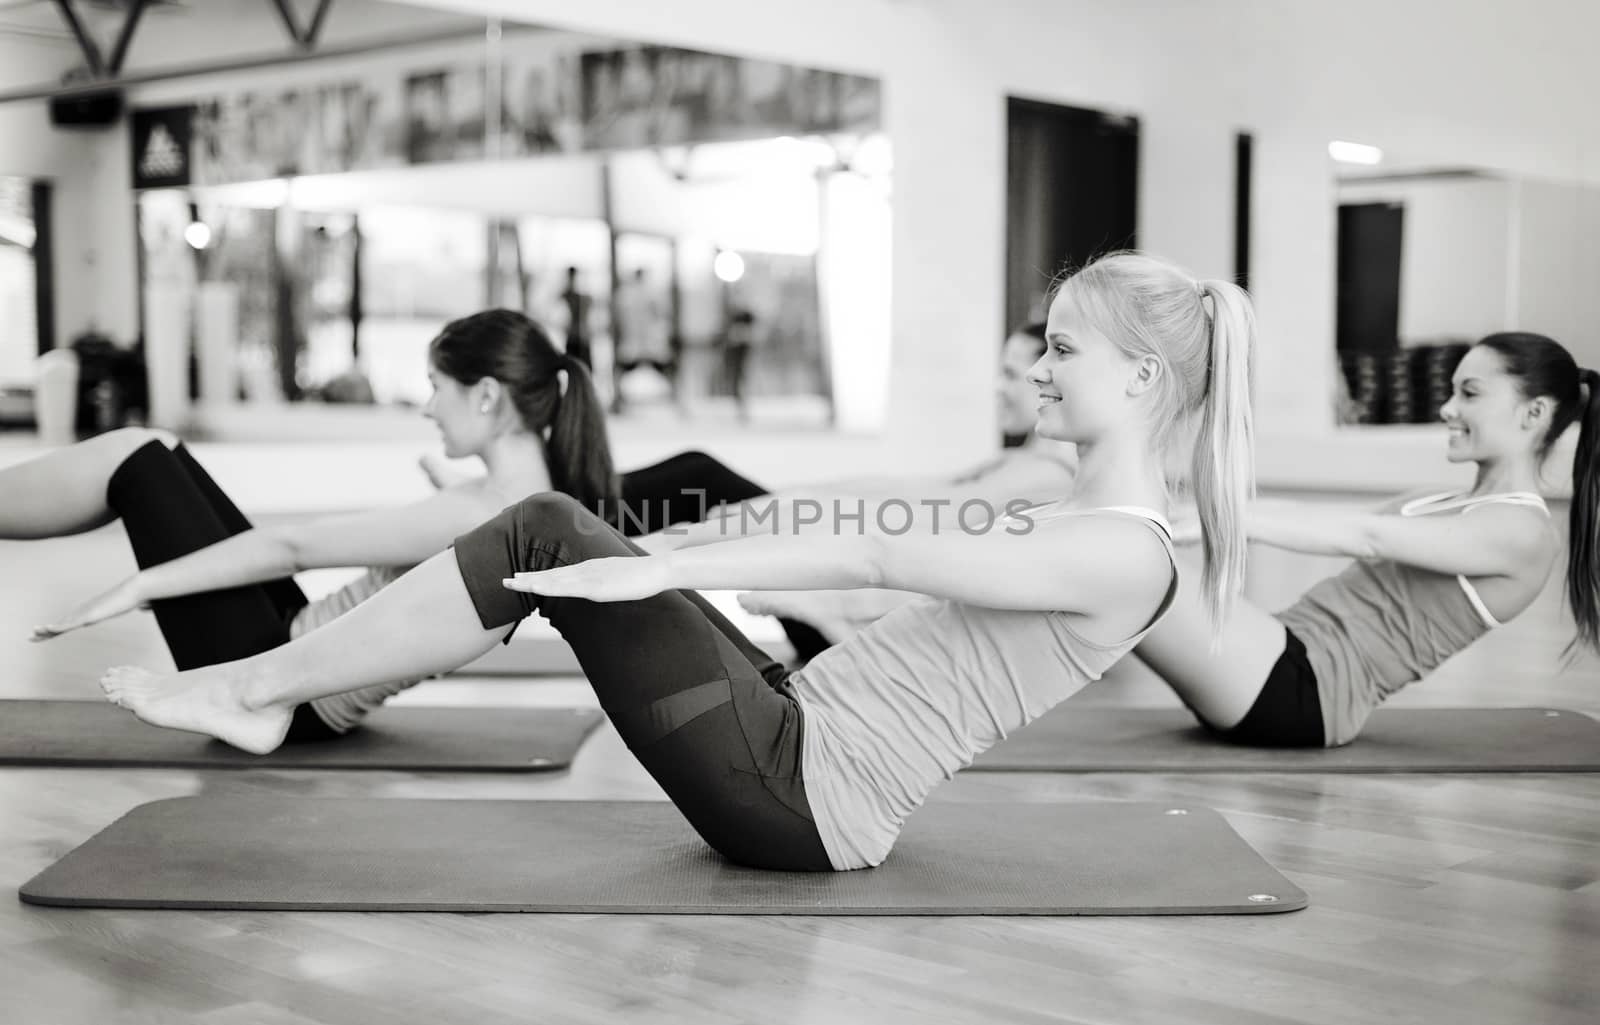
(921, 692)
(343, 711)
(1381, 624)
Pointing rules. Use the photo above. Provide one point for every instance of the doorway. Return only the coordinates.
(1072, 179)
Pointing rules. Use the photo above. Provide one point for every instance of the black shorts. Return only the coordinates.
(1287, 712)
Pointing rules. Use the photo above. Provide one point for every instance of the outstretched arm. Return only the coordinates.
(1186, 520)
(402, 536)
(1017, 477)
(1494, 540)
(1085, 566)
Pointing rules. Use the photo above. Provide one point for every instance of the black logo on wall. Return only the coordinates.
(161, 147)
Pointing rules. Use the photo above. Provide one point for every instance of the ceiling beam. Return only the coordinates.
(119, 52)
(242, 63)
(315, 28)
(304, 37)
(86, 43)
(290, 22)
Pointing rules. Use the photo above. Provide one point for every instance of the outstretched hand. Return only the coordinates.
(624, 578)
(125, 597)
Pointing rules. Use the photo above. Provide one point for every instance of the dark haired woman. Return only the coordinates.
(223, 590)
(817, 770)
(692, 487)
(1433, 572)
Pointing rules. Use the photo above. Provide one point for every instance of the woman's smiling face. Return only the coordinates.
(1081, 379)
(1486, 411)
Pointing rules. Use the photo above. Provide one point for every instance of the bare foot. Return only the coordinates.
(817, 609)
(197, 703)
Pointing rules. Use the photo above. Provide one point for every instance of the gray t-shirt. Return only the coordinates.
(919, 694)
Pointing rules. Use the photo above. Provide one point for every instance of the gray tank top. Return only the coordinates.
(1380, 625)
(919, 694)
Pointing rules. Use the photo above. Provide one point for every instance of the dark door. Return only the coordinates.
(1368, 303)
(1072, 178)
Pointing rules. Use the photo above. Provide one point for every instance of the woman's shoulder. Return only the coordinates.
(1408, 502)
(1463, 501)
(1133, 514)
(1134, 538)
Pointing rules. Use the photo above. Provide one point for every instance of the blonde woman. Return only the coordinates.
(818, 769)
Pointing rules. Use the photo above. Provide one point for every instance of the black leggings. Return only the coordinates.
(683, 489)
(680, 489)
(1288, 711)
(710, 716)
(170, 508)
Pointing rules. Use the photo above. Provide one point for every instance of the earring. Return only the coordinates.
(484, 408)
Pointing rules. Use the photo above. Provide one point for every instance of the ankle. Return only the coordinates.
(253, 691)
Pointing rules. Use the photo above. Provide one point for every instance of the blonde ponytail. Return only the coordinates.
(1223, 471)
(1205, 334)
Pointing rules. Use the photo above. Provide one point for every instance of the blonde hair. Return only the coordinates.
(1203, 332)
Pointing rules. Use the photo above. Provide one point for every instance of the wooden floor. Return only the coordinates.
(1435, 898)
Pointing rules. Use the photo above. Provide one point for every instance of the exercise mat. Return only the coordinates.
(1094, 738)
(95, 733)
(630, 857)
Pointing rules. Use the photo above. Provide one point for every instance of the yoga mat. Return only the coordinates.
(1100, 739)
(629, 857)
(95, 733)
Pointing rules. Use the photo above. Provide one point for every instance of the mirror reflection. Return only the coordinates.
(709, 233)
(1432, 256)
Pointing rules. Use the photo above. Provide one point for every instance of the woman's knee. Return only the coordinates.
(128, 440)
(546, 504)
(553, 514)
(696, 464)
(134, 459)
(539, 521)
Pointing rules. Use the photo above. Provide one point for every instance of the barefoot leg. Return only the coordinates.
(64, 491)
(204, 701)
(422, 624)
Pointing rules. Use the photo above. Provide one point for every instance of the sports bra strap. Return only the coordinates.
(1150, 516)
(1447, 500)
(1156, 521)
